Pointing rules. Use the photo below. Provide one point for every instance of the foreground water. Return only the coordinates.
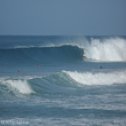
(61, 80)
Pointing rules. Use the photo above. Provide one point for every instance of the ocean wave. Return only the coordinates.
(57, 82)
(92, 50)
(66, 82)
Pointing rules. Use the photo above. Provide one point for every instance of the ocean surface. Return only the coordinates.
(62, 81)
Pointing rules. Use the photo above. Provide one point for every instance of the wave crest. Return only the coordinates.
(98, 78)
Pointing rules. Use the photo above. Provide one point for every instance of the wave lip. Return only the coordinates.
(98, 78)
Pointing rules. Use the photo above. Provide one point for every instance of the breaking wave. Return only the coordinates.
(107, 50)
(21, 86)
(93, 50)
(62, 82)
(100, 50)
(98, 78)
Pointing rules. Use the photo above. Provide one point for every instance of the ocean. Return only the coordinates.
(62, 81)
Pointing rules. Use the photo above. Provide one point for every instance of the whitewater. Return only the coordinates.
(62, 80)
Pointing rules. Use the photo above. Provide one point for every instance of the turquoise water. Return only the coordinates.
(62, 80)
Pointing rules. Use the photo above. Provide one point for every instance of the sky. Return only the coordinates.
(62, 17)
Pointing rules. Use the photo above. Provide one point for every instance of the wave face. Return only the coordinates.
(69, 50)
(61, 82)
(54, 83)
(40, 55)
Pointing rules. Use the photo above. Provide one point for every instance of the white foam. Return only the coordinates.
(98, 78)
(107, 50)
(22, 86)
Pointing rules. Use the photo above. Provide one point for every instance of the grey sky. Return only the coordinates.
(63, 17)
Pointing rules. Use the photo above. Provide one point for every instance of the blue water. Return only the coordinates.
(62, 80)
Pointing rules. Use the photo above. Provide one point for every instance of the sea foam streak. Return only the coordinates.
(98, 78)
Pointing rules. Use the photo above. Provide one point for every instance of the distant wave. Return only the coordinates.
(93, 50)
(61, 82)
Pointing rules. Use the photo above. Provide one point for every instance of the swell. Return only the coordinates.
(65, 82)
